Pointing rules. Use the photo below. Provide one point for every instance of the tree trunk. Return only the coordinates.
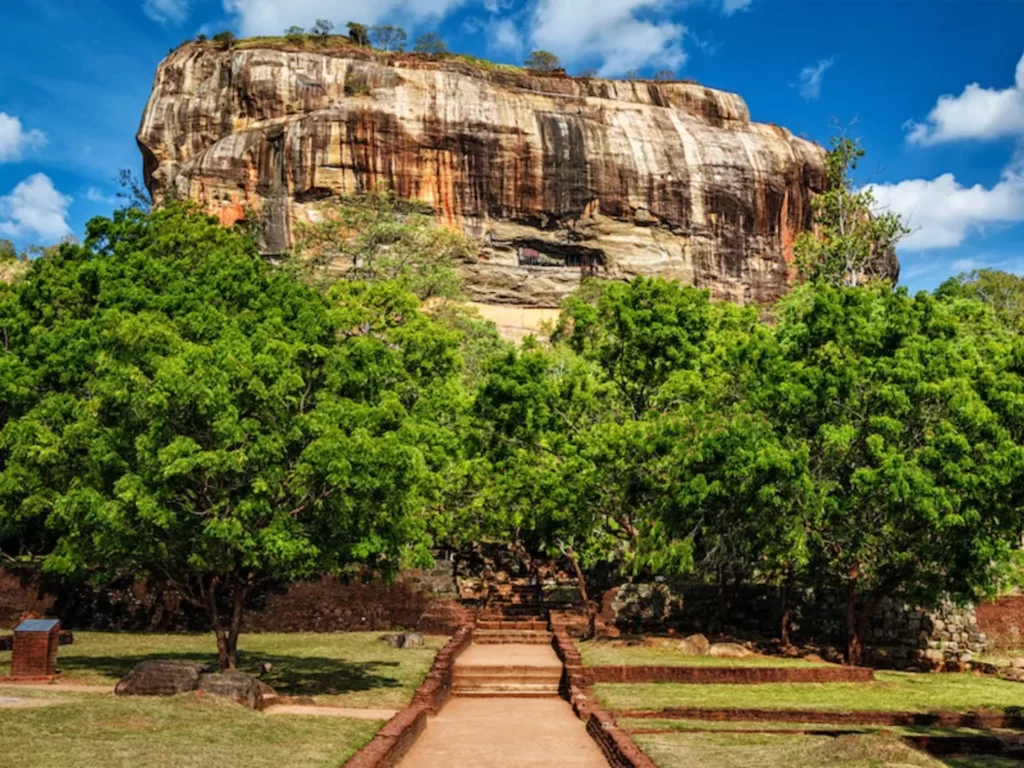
(784, 628)
(854, 627)
(227, 632)
(588, 606)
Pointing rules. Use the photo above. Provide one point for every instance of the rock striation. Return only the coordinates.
(557, 178)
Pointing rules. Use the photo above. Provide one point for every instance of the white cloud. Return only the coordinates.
(964, 265)
(504, 36)
(167, 11)
(610, 30)
(35, 208)
(942, 212)
(810, 79)
(94, 195)
(977, 113)
(729, 7)
(14, 139)
(270, 17)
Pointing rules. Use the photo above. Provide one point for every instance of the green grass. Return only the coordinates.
(346, 669)
(600, 653)
(891, 691)
(782, 751)
(179, 732)
(689, 726)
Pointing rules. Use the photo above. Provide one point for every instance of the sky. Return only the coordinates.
(933, 89)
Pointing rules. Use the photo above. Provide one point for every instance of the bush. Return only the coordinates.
(543, 62)
(430, 44)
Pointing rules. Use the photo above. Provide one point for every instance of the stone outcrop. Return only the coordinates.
(556, 178)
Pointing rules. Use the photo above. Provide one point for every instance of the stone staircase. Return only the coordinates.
(513, 613)
(511, 655)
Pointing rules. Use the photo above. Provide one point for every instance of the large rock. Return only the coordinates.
(238, 686)
(694, 645)
(729, 651)
(557, 178)
(161, 678)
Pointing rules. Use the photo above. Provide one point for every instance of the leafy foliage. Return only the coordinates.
(1003, 291)
(388, 38)
(378, 236)
(431, 44)
(357, 34)
(849, 234)
(177, 409)
(542, 62)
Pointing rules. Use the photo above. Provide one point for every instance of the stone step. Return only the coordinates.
(510, 610)
(528, 637)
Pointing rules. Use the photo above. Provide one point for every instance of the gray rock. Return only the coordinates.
(161, 677)
(237, 686)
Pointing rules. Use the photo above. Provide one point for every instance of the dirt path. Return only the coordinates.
(499, 732)
(317, 711)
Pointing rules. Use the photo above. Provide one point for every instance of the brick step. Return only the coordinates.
(492, 693)
(534, 610)
(507, 684)
(528, 637)
(524, 674)
(535, 625)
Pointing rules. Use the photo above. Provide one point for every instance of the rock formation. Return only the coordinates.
(557, 178)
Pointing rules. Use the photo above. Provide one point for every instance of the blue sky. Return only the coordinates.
(935, 90)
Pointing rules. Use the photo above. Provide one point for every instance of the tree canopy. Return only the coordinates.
(179, 410)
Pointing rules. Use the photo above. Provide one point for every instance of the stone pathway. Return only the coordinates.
(499, 732)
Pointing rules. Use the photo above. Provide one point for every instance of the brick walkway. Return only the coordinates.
(499, 732)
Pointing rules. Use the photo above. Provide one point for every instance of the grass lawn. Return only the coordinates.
(788, 751)
(689, 726)
(891, 691)
(178, 732)
(347, 669)
(600, 653)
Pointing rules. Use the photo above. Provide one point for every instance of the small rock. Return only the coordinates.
(729, 651)
(1017, 663)
(403, 639)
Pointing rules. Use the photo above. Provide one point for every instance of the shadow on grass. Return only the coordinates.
(290, 675)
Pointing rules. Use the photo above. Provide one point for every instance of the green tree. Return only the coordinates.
(665, 76)
(542, 62)
(322, 28)
(849, 236)
(226, 40)
(431, 44)
(358, 35)
(388, 38)
(639, 333)
(295, 34)
(178, 410)
(378, 236)
(8, 252)
(901, 404)
(1003, 291)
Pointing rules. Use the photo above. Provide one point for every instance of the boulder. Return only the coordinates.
(729, 651)
(403, 639)
(161, 677)
(237, 686)
(694, 645)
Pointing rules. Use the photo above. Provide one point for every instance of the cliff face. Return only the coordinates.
(556, 178)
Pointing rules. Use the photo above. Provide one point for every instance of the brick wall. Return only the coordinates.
(416, 602)
(1003, 621)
